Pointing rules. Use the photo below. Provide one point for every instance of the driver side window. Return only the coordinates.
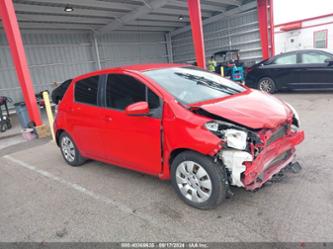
(123, 90)
(314, 57)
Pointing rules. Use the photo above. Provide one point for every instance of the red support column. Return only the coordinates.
(197, 31)
(263, 27)
(9, 20)
(271, 24)
(266, 27)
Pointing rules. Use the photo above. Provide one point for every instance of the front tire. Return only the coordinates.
(69, 150)
(198, 180)
(266, 84)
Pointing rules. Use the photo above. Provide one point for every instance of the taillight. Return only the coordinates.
(249, 69)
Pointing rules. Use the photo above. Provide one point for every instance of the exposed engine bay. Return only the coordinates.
(250, 154)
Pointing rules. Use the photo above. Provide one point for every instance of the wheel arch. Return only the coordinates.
(57, 135)
(174, 153)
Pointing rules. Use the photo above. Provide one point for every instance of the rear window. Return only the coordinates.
(86, 90)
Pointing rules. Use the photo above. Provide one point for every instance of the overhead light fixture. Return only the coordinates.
(180, 18)
(69, 8)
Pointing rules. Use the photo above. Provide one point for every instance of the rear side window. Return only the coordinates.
(124, 90)
(286, 59)
(86, 90)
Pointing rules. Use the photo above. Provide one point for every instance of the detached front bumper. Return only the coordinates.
(271, 160)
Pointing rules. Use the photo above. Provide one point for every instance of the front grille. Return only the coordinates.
(281, 132)
(279, 159)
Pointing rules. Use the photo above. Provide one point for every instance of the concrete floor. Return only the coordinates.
(43, 199)
(14, 136)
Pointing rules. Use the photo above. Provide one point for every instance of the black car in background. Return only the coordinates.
(301, 70)
(59, 92)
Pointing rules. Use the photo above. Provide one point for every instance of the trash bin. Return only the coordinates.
(22, 114)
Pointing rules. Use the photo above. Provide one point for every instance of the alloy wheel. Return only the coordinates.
(68, 149)
(193, 181)
(266, 85)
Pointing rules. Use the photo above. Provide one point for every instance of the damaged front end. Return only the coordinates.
(251, 157)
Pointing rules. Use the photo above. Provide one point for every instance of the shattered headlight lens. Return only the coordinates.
(212, 126)
(296, 120)
(234, 138)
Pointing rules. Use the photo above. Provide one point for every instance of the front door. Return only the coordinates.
(132, 141)
(316, 72)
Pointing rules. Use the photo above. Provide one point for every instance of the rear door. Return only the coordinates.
(132, 141)
(284, 70)
(316, 73)
(85, 117)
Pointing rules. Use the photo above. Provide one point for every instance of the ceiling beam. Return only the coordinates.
(203, 6)
(64, 19)
(157, 23)
(60, 10)
(179, 12)
(133, 15)
(228, 2)
(49, 26)
(86, 3)
(231, 12)
(164, 18)
(142, 28)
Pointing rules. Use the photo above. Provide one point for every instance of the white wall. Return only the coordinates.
(303, 38)
(292, 10)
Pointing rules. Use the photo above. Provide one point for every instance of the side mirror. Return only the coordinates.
(138, 109)
(329, 62)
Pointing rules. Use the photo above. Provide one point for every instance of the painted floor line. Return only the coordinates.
(120, 206)
(75, 186)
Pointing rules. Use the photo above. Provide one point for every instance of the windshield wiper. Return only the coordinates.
(206, 82)
(218, 88)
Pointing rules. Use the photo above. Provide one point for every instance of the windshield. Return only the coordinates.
(190, 85)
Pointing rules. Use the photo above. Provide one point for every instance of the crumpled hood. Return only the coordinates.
(252, 109)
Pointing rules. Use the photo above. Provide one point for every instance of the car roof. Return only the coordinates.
(307, 50)
(136, 67)
(146, 67)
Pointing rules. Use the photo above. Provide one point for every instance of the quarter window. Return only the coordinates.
(86, 90)
(124, 90)
(320, 39)
(286, 59)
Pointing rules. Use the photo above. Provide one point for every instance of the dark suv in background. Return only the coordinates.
(296, 70)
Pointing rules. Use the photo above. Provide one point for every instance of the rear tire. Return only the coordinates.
(3, 127)
(266, 84)
(198, 180)
(70, 151)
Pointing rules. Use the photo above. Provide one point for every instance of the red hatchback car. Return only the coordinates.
(178, 122)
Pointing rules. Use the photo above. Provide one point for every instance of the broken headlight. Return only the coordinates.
(296, 120)
(234, 138)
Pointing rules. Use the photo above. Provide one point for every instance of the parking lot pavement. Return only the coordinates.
(43, 199)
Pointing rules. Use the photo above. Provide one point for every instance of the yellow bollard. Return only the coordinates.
(49, 112)
(222, 71)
